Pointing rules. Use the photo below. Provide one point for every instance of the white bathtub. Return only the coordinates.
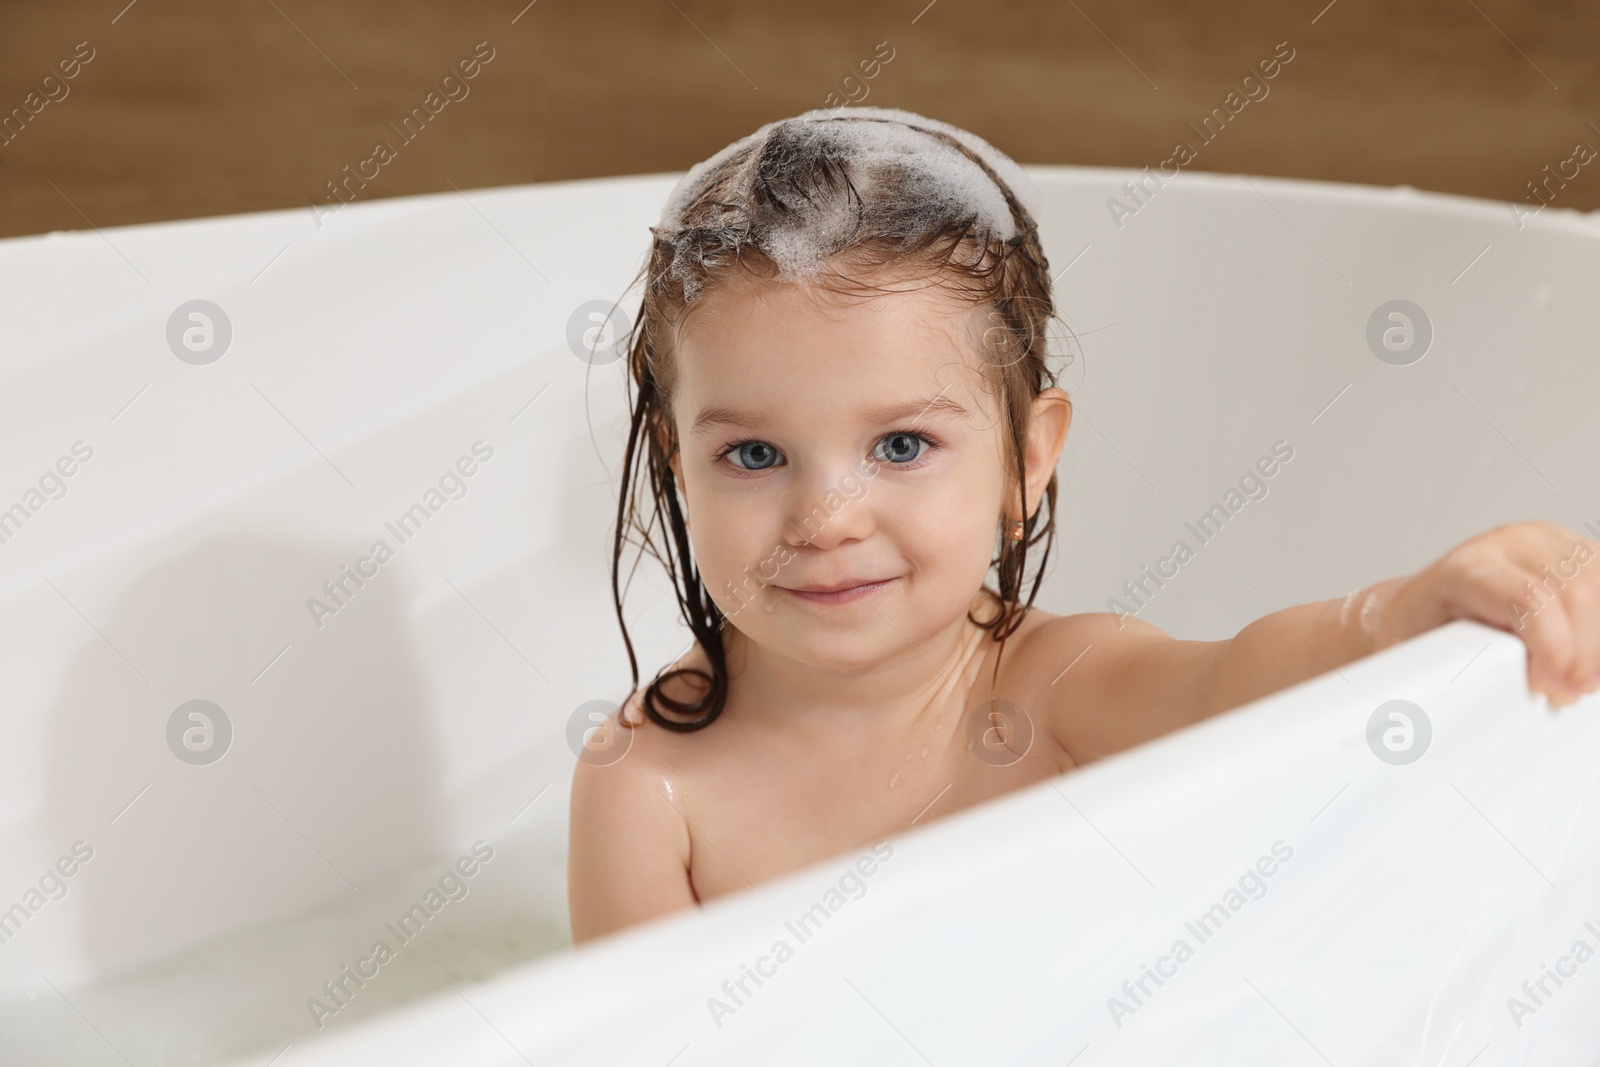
(429, 712)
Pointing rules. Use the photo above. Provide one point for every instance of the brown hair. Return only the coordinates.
(876, 214)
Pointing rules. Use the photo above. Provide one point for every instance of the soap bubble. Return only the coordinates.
(893, 176)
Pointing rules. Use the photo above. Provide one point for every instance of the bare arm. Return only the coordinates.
(628, 852)
(1535, 579)
(1291, 645)
(1105, 683)
(1129, 682)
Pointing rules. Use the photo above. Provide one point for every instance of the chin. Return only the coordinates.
(848, 658)
(834, 647)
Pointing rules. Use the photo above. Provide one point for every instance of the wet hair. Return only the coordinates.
(834, 199)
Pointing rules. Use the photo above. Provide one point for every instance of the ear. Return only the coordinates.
(1047, 434)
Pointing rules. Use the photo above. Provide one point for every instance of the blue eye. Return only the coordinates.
(758, 454)
(898, 449)
(902, 447)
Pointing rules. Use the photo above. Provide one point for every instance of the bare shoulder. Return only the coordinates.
(1105, 682)
(629, 845)
(1086, 646)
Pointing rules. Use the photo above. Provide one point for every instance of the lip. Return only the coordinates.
(839, 594)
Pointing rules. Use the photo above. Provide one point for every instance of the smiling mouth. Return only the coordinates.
(840, 596)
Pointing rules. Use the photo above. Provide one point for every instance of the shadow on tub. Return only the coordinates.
(223, 896)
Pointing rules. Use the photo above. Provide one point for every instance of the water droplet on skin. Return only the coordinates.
(894, 780)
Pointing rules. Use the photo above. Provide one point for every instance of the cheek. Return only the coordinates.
(952, 530)
(729, 535)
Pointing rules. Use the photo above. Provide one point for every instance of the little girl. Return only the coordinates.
(847, 420)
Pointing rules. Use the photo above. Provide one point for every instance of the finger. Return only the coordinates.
(1548, 632)
(1580, 597)
(1555, 556)
(1498, 593)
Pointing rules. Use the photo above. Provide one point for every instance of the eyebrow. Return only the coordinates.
(939, 404)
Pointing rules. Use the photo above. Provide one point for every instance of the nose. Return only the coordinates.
(830, 509)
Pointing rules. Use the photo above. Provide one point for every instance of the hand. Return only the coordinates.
(1538, 580)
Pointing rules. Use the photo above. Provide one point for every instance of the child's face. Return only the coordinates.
(817, 483)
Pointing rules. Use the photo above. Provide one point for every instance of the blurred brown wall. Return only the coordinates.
(193, 108)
